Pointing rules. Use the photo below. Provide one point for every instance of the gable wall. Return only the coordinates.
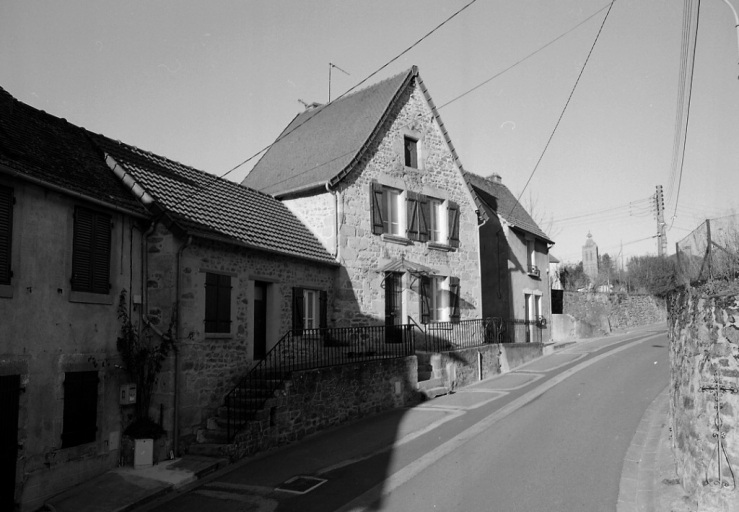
(360, 295)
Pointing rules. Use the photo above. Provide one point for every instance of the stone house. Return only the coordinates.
(514, 255)
(70, 242)
(376, 178)
(234, 268)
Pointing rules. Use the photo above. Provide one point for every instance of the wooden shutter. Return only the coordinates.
(6, 233)
(217, 303)
(91, 251)
(454, 293)
(424, 291)
(323, 309)
(376, 192)
(424, 215)
(412, 229)
(298, 313)
(80, 408)
(453, 210)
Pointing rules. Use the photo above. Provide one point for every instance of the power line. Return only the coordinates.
(687, 112)
(522, 60)
(285, 134)
(582, 70)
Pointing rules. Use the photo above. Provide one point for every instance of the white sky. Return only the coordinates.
(211, 83)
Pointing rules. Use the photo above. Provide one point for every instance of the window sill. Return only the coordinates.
(91, 298)
(217, 335)
(6, 291)
(436, 246)
(395, 239)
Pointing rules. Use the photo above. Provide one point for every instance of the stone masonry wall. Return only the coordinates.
(704, 354)
(318, 399)
(360, 298)
(601, 313)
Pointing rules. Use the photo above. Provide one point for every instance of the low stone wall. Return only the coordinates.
(318, 399)
(596, 314)
(704, 359)
(467, 366)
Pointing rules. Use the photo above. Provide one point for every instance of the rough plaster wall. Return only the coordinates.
(45, 333)
(704, 343)
(360, 297)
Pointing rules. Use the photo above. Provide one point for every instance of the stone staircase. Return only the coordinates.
(251, 403)
(432, 378)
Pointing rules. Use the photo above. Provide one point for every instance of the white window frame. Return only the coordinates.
(393, 202)
(311, 309)
(439, 299)
(439, 221)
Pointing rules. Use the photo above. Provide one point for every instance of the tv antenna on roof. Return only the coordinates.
(330, 67)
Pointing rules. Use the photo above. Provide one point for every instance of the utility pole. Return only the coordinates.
(659, 200)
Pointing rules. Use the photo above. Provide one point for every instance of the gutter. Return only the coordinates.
(176, 411)
(77, 195)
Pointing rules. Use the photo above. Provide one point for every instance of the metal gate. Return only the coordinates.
(9, 397)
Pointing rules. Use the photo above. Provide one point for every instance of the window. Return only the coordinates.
(422, 219)
(391, 211)
(6, 233)
(80, 408)
(410, 152)
(438, 222)
(531, 257)
(439, 299)
(217, 303)
(388, 213)
(91, 251)
(309, 309)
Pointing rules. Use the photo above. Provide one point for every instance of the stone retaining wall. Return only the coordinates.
(704, 353)
(595, 314)
(318, 399)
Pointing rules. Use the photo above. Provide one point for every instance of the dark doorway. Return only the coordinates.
(393, 307)
(9, 396)
(260, 319)
(557, 302)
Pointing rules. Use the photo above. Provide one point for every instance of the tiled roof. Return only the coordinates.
(50, 151)
(501, 201)
(205, 205)
(321, 143)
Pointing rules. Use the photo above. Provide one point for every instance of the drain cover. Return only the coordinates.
(300, 484)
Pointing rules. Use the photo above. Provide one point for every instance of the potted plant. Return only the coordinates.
(143, 354)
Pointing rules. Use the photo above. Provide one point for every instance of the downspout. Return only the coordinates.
(176, 422)
(336, 219)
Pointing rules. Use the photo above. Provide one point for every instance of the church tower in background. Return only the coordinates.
(590, 258)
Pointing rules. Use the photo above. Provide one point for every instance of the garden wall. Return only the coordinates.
(704, 359)
(588, 314)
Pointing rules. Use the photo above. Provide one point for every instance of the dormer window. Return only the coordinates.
(410, 152)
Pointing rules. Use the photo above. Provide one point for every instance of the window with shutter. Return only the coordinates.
(80, 408)
(6, 233)
(217, 303)
(310, 310)
(91, 251)
(378, 223)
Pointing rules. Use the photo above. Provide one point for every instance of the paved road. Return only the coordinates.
(550, 436)
(562, 452)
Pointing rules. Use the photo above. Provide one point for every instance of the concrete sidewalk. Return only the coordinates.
(646, 483)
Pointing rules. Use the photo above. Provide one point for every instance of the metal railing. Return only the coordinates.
(446, 336)
(311, 349)
(319, 348)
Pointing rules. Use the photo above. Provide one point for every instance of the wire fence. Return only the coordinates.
(711, 251)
